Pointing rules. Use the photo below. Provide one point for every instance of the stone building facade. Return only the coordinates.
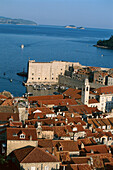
(47, 72)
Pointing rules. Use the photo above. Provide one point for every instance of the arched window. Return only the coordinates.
(86, 88)
(46, 167)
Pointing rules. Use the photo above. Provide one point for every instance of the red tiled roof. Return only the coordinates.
(91, 101)
(80, 167)
(17, 124)
(61, 131)
(68, 145)
(73, 93)
(79, 160)
(45, 143)
(105, 90)
(62, 102)
(76, 120)
(8, 102)
(86, 141)
(39, 110)
(3, 97)
(47, 128)
(96, 149)
(82, 109)
(48, 97)
(31, 154)
(14, 133)
(7, 116)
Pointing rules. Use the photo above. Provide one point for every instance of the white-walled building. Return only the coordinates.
(102, 98)
(47, 72)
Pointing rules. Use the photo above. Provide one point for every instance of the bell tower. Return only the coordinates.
(85, 92)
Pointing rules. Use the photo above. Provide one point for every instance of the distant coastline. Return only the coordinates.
(5, 20)
(99, 46)
(107, 44)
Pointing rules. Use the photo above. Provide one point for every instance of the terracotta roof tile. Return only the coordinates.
(8, 102)
(48, 97)
(31, 154)
(7, 116)
(80, 167)
(62, 102)
(14, 133)
(86, 141)
(91, 101)
(73, 93)
(105, 90)
(82, 109)
(96, 149)
(68, 145)
(3, 97)
(79, 160)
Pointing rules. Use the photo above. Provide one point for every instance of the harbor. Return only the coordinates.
(41, 90)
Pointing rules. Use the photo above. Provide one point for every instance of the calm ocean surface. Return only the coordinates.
(47, 43)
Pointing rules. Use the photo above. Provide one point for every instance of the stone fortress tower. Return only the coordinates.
(85, 92)
(47, 72)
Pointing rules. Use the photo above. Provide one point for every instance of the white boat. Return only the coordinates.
(22, 46)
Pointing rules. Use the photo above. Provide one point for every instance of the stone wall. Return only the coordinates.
(47, 72)
(41, 166)
(16, 144)
(48, 134)
(23, 114)
(74, 83)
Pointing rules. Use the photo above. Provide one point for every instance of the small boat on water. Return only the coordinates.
(23, 74)
(11, 80)
(22, 46)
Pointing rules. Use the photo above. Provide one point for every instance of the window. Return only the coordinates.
(32, 73)
(52, 78)
(32, 78)
(41, 166)
(56, 166)
(14, 134)
(46, 167)
(38, 78)
(22, 136)
(45, 78)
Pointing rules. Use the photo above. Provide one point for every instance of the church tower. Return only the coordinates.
(85, 92)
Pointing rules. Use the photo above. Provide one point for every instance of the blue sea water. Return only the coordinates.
(47, 43)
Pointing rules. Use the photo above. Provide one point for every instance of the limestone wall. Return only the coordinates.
(41, 166)
(74, 83)
(16, 144)
(47, 72)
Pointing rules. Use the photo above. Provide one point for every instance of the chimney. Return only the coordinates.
(66, 121)
(92, 151)
(30, 137)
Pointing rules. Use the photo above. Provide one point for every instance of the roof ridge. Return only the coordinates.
(28, 154)
(37, 148)
(24, 156)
